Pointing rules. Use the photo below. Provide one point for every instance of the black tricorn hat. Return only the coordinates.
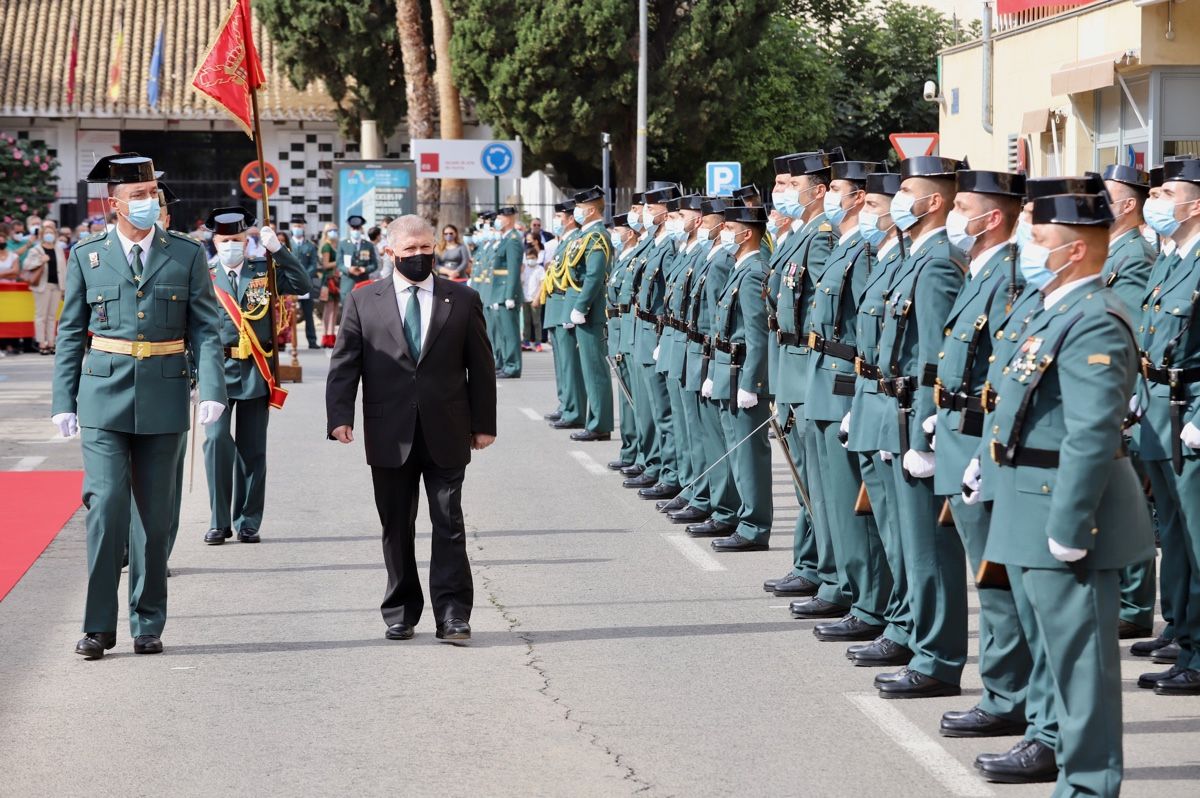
(1091, 210)
(566, 206)
(746, 192)
(507, 210)
(852, 170)
(673, 204)
(1128, 175)
(299, 218)
(168, 196)
(487, 216)
(1088, 183)
(981, 181)
(229, 221)
(692, 202)
(660, 196)
(746, 214)
(1184, 169)
(620, 220)
(590, 194)
(836, 154)
(887, 183)
(654, 185)
(933, 166)
(711, 205)
(124, 167)
(781, 162)
(1156, 176)
(810, 163)
(638, 198)
(354, 220)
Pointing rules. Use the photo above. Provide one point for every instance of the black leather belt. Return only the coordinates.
(646, 315)
(898, 386)
(622, 309)
(929, 375)
(695, 337)
(735, 349)
(1035, 458)
(831, 348)
(955, 401)
(1169, 376)
(864, 369)
(788, 338)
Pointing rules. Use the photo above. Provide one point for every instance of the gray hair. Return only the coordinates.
(411, 226)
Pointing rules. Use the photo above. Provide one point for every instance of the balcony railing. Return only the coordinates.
(1019, 19)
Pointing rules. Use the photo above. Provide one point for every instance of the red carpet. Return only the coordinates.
(34, 506)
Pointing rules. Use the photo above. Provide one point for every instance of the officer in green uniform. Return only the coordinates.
(751, 197)
(506, 292)
(921, 296)
(587, 268)
(236, 464)
(1126, 272)
(985, 214)
(833, 473)
(622, 237)
(869, 410)
(306, 252)
(644, 472)
(710, 276)
(1169, 432)
(556, 318)
(140, 295)
(356, 257)
(484, 261)
(1067, 498)
(738, 378)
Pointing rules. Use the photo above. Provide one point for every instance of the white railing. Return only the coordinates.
(1006, 22)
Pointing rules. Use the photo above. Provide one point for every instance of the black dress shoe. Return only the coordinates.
(1185, 682)
(688, 515)
(817, 608)
(1167, 654)
(1127, 630)
(1029, 762)
(795, 585)
(248, 535)
(587, 435)
(634, 470)
(670, 505)
(1147, 681)
(857, 647)
(454, 630)
(399, 631)
(560, 424)
(618, 465)
(639, 482)
(736, 542)
(769, 585)
(712, 528)
(660, 490)
(883, 653)
(1146, 648)
(93, 644)
(914, 684)
(555, 416)
(888, 678)
(977, 723)
(847, 629)
(147, 644)
(216, 536)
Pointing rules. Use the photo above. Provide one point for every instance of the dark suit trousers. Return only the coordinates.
(397, 500)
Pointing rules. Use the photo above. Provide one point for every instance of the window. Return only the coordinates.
(1121, 126)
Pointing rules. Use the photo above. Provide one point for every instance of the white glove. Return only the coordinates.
(918, 464)
(885, 456)
(844, 428)
(1063, 553)
(1135, 405)
(706, 389)
(1190, 436)
(973, 479)
(269, 240)
(654, 354)
(930, 425)
(67, 423)
(209, 412)
(568, 326)
(512, 303)
(746, 399)
(577, 317)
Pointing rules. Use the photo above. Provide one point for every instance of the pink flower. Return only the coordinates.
(27, 163)
(45, 166)
(16, 153)
(24, 207)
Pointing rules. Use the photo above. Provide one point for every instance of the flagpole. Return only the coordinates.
(266, 221)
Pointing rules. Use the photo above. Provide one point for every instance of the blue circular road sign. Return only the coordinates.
(497, 158)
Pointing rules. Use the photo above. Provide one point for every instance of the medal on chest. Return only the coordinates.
(1026, 358)
(790, 280)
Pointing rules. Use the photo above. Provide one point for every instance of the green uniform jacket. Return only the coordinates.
(673, 343)
(741, 318)
(1091, 500)
(352, 254)
(869, 407)
(481, 273)
(306, 252)
(506, 269)
(619, 273)
(591, 278)
(709, 276)
(173, 300)
(242, 380)
(831, 315)
(636, 266)
(920, 300)
(1127, 269)
(651, 291)
(963, 365)
(556, 311)
(802, 255)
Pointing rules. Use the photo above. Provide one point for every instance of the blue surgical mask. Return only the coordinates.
(956, 230)
(1034, 258)
(635, 221)
(577, 214)
(832, 205)
(675, 229)
(556, 227)
(868, 228)
(772, 227)
(356, 235)
(1024, 232)
(787, 202)
(298, 233)
(496, 225)
(618, 243)
(728, 241)
(1160, 215)
(651, 227)
(902, 210)
(332, 235)
(143, 213)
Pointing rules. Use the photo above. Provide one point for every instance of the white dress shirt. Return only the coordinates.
(127, 244)
(928, 234)
(424, 300)
(1059, 293)
(978, 263)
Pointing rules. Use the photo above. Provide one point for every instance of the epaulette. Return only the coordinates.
(93, 238)
(184, 237)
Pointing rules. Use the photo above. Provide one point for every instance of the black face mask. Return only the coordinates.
(415, 268)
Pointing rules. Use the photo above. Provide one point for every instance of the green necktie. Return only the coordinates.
(412, 323)
(135, 260)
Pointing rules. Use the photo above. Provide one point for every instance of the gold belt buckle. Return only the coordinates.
(995, 449)
(141, 350)
(985, 396)
(937, 392)
(812, 339)
(858, 364)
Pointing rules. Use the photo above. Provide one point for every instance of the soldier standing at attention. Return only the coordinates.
(356, 258)
(622, 238)
(236, 465)
(556, 319)
(587, 268)
(143, 296)
(306, 252)
(506, 292)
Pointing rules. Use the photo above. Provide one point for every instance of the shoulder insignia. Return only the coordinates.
(93, 259)
(825, 227)
(1099, 360)
(182, 237)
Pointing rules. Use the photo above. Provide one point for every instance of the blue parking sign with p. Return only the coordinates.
(722, 177)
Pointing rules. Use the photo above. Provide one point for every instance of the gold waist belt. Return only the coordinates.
(138, 349)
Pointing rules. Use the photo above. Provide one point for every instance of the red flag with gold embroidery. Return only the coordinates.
(231, 70)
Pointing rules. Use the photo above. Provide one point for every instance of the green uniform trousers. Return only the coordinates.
(698, 494)
(1138, 582)
(591, 349)
(123, 473)
(1077, 612)
(570, 380)
(1005, 660)
(804, 544)
(491, 317)
(835, 587)
(1177, 505)
(643, 414)
(857, 549)
(508, 329)
(1041, 718)
(723, 499)
(937, 580)
(750, 465)
(629, 450)
(660, 423)
(680, 434)
(881, 491)
(235, 462)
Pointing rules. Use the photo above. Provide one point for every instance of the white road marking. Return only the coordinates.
(690, 549)
(28, 463)
(585, 460)
(531, 414)
(953, 775)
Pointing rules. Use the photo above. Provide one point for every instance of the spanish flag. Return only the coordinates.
(114, 66)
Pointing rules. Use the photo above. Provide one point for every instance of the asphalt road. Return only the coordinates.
(611, 655)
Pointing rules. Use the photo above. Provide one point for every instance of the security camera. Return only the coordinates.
(930, 90)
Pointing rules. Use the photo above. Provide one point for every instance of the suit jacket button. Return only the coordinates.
(141, 293)
(141, 315)
(140, 336)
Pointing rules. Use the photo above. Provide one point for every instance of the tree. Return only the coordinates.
(453, 208)
(418, 91)
(351, 46)
(28, 178)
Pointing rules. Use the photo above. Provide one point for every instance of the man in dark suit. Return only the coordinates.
(423, 414)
